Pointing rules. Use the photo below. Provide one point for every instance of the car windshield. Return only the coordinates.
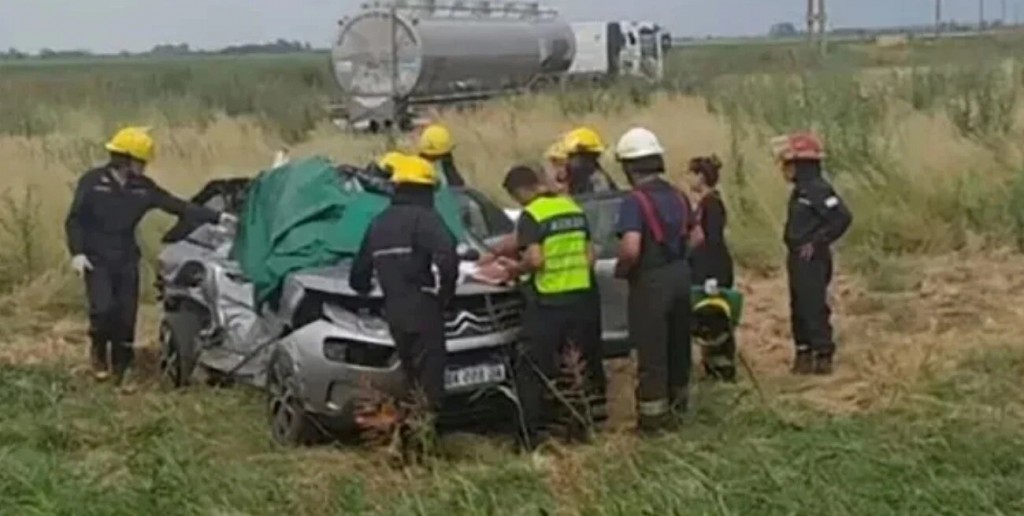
(602, 215)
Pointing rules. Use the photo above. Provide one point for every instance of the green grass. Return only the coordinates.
(72, 448)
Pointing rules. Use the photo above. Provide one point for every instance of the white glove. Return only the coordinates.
(711, 286)
(80, 263)
(227, 219)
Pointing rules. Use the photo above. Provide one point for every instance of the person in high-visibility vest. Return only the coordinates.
(561, 303)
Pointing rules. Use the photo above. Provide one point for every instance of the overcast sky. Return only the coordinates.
(114, 25)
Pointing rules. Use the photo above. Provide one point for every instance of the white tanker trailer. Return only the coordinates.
(459, 53)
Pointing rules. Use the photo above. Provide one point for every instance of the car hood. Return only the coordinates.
(334, 280)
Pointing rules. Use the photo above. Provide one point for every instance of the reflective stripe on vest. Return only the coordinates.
(564, 244)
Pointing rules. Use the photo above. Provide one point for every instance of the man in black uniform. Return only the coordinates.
(561, 302)
(109, 202)
(656, 226)
(403, 245)
(817, 219)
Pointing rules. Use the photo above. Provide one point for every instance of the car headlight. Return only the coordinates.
(359, 353)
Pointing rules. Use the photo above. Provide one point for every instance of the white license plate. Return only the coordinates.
(473, 376)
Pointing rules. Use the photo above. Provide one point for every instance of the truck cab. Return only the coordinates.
(643, 50)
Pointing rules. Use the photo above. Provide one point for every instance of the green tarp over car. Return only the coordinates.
(305, 215)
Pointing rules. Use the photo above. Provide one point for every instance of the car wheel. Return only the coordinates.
(179, 333)
(290, 425)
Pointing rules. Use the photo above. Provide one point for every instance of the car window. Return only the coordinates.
(603, 216)
(482, 218)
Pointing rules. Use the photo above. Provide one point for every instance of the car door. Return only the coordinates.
(602, 211)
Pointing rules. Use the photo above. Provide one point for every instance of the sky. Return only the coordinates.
(115, 25)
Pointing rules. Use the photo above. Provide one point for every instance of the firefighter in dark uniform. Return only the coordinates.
(583, 148)
(711, 262)
(436, 146)
(656, 227)
(403, 246)
(817, 218)
(108, 204)
(554, 238)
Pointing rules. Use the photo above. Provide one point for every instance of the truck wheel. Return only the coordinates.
(290, 425)
(179, 334)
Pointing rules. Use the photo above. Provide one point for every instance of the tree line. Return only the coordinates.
(281, 46)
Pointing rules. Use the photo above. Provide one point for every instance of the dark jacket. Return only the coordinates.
(104, 214)
(401, 245)
(817, 215)
(713, 259)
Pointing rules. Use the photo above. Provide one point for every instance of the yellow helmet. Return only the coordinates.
(435, 141)
(135, 142)
(413, 170)
(556, 152)
(390, 160)
(582, 139)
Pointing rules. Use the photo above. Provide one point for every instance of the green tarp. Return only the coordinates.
(302, 216)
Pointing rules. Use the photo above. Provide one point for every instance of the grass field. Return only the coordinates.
(923, 417)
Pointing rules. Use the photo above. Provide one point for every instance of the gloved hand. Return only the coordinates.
(227, 219)
(80, 263)
(711, 286)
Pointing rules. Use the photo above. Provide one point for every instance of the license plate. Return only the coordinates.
(473, 376)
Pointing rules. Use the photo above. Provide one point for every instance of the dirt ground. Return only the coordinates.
(895, 325)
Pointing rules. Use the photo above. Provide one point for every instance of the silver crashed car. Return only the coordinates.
(318, 348)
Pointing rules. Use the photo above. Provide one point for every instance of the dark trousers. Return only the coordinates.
(547, 330)
(112, 289)
(422, 351)
(808, 301)
(659, 326)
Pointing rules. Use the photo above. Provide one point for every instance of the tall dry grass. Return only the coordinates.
(927, 155)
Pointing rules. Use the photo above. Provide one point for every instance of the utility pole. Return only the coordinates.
(823, 27)
(981, 15)
(810, 22)
(938, 17)
(1003, 12)
(816, 28)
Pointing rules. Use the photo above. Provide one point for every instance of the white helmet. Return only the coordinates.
(638, 143)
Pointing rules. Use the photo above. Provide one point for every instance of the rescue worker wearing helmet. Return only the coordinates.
(402, 247)
(656, 226)
(109, 201)
(583, 148)
(556, 161)
(817, 218)
(436, 146)
(561, 305)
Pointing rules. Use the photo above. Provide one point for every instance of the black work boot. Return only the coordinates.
(804, 363)
(98, 359)
(679, 401)
(122, 355)
(657, 425)
(823, 364)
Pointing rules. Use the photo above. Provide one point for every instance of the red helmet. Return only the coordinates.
(799, 145)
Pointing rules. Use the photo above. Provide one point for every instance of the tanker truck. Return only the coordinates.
(392, 62)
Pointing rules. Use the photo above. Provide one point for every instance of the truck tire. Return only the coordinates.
(179, 350)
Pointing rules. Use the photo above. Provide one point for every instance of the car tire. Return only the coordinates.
(179, 335)
(290, 424)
